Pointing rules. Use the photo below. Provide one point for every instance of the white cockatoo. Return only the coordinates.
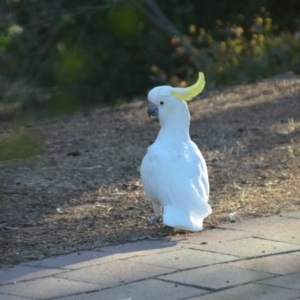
(174, 172)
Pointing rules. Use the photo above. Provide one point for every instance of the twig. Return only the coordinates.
(156, 17)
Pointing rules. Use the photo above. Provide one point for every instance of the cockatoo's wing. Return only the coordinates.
(175, 175)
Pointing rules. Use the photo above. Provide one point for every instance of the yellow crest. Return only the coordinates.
(186, 94)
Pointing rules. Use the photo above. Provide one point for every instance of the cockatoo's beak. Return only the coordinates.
(186, 94)
(152, 110)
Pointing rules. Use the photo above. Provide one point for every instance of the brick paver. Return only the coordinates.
(184, 259)
(249, 247)
(288, 281)
(74, 260)
(271, 225)
(216, 276)
(278, 264)
(115, 273)
(46, 288)
(290, 237)
(218, 235)
(252, 292)
(9, 297)
(21, 273)
(255, 259)
(143, 247)
(151, 289)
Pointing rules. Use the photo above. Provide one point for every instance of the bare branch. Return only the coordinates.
(158, 20)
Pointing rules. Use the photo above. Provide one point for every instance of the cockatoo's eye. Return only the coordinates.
(161, 102)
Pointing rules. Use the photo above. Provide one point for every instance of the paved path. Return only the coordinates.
(255, 259)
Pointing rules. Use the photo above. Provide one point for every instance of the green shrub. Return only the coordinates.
(228, 54)
(19, 144)
(66, 55)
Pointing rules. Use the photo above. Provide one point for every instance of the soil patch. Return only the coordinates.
(84, 190)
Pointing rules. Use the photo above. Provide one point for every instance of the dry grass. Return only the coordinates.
(84, 190)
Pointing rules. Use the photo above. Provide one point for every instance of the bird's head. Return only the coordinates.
(166, 101)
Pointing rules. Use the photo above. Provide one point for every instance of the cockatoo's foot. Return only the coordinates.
(154, 220)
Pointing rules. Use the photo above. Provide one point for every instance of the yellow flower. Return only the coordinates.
(192, 29)
(220, 70)
(239, 31)
(259, 20)
(223, 47)
(15, 30)
(154, 69)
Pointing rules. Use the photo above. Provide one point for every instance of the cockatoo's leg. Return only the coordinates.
(157, 213)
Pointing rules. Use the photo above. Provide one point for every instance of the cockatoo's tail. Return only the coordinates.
(187, 94)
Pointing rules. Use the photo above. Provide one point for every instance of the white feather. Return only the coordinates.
(173, 171)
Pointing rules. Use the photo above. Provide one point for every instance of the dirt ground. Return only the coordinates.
(84, 190)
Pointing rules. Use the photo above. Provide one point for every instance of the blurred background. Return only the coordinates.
(58, 56)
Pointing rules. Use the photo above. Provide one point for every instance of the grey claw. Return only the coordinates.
(154, 220)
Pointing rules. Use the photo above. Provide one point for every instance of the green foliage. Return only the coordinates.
(124, 21)
(70, 66)
(20, 144)
(231, 54)
(66, 55)
(4, 42)
(238, 60)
